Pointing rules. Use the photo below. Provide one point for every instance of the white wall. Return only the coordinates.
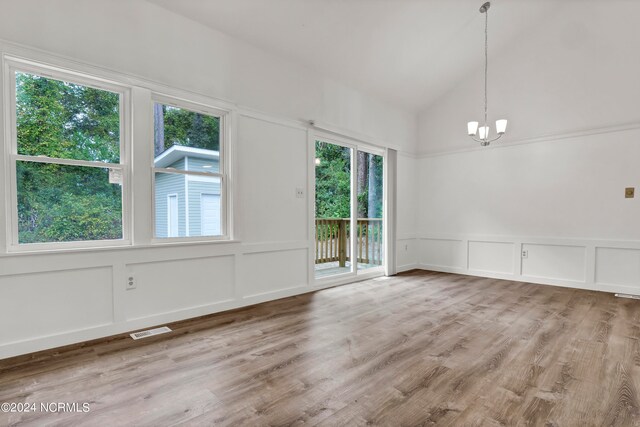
(554, 186)
(407, 216)
(145, 40)
(52, 299)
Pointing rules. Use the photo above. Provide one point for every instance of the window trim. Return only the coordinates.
(223, 173)
(11, 65)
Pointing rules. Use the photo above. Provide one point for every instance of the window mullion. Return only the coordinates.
(185, 172)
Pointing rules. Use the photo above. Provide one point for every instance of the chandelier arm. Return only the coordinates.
(486, 141)
(496, 138)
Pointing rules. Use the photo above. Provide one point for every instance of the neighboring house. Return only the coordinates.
(187, 205)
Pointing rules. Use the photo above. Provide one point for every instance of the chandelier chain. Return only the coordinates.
(486, 62)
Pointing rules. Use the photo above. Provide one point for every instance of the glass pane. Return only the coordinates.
(187, 205)
(369, 231)
(186, 140)
(66, 120)
(333, 209)
(59, 203)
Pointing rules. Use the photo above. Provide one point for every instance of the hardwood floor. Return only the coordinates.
(422, 348)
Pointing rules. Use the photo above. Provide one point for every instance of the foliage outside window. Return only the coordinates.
(189, 173)
(333, 182)
(67, 154)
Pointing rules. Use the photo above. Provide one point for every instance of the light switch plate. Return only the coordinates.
(629, 192)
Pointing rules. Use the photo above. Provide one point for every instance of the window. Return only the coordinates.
(188, 164)
(67, 170)
(69, 165)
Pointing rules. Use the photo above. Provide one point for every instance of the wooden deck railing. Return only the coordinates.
(333, 240)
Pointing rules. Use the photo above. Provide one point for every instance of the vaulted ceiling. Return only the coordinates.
(408, 52)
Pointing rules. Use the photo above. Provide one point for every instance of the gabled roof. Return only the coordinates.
(177, 152)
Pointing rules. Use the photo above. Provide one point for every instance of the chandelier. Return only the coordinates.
(501, 125)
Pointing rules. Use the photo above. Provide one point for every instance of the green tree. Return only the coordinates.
(333, 181)
(187, 128)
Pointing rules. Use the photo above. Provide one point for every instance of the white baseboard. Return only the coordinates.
(407, 267)
(535, 280)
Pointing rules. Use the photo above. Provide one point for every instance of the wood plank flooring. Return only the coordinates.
(422, 348)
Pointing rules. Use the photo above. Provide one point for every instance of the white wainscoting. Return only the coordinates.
(62, 303)
(85, 300)
(554, 262)
(168, 286)
(448, 254)
(492, 257)
(406, 253)
(610, 266)
(260, 278)
(618, 268)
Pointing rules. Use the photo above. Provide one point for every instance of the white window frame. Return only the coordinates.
(12, 65)
(223, 173)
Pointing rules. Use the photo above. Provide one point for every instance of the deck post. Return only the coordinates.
(342, 243)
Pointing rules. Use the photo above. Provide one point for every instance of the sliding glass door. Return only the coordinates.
(349, 209)
(333, 209)
(369, 229)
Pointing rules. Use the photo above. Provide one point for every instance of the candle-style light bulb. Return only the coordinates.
(501, 126)
(472, 128)
(483, 132)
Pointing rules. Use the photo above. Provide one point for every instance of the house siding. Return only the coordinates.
(189, 190)
(196, 165)
(196, 187)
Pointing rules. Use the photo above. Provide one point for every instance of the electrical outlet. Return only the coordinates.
(131, 283)
(525, 254)
(300, 193)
